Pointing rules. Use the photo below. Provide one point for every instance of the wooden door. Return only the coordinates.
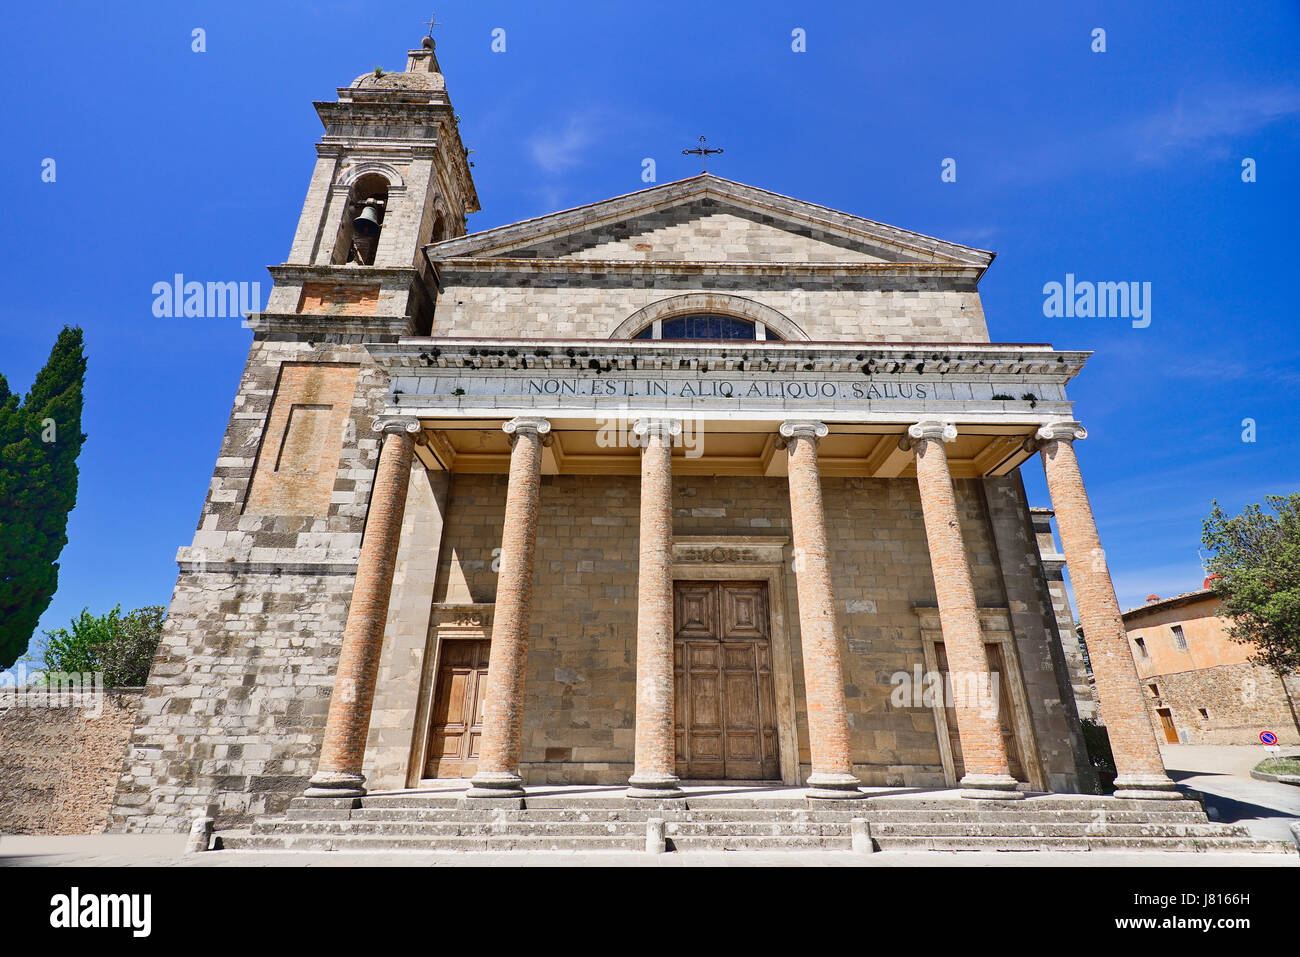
(725, 696)
(1007, 716)
(1167, 722)
(456, 726)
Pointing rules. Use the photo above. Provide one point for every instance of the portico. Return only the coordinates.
(796, 414)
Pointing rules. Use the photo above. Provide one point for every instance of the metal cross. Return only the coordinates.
(703, 152)
(431, 23)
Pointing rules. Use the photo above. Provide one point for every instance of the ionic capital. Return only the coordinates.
(804, 429)
(667, 429)
(528, 424)
(932, 429)
(1067, 430)
(395, 424)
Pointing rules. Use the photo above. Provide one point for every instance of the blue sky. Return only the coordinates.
(1116, 166)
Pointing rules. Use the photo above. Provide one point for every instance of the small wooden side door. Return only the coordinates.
(456, 725)
(1167, 722)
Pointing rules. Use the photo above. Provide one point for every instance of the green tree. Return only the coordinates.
(40, 441)
(120, 647)
(1255, 574)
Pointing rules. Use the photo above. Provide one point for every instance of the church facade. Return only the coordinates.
(700, 483)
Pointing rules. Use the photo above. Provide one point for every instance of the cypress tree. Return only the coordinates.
(40, 441)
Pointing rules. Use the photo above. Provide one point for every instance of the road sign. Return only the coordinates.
(1268, 737)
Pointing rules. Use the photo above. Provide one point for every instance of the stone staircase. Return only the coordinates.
(428, 821)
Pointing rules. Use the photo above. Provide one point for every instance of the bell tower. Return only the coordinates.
(391, 175)
(262, 591)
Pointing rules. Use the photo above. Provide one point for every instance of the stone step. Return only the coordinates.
(1004, 814)
(1102, 843)
(373, 842)
(755, 827)
(1036, 829)
(631, 815)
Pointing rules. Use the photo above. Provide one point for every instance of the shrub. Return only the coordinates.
(122, 647)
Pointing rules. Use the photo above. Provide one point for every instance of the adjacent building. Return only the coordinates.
(1199, 684)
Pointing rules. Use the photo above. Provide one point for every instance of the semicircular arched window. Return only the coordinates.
(707, 326)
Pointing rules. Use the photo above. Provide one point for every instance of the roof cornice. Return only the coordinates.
(661, 267)
(706, 186)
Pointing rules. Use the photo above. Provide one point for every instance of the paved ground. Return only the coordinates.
(1232, 796)
(87, 857)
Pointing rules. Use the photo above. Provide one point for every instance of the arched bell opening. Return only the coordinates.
(363, 221)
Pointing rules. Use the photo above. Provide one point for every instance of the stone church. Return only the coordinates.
(701, 483)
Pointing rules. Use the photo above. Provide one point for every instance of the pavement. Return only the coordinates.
(88, 856)
(1221, 773)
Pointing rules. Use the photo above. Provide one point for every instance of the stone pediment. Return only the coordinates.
(707, 219)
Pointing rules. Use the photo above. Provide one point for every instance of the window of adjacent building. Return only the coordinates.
(1154, 689)
(707, 326)
(1180, 640)
(1205, 714)
(1141, 647)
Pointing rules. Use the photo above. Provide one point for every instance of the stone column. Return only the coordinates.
(1119, 693)
(828, 726)
(975, 698)
(338, 775)
(654, 773)
(503, 705)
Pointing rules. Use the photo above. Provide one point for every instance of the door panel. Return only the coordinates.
(726, 705)
(456, 725)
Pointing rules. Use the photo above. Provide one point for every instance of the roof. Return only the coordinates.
(1164, 604)
(910, 246)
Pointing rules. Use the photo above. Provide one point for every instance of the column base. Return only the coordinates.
(833, 786)
(496, 784)
(1146, 787)
(652, 785)
(335, 784)
(990, 787)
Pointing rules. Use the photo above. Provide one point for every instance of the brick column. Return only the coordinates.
(654, 773)
(338, 774)
(975, 698)
(1119, 693)
(503, 704)
(828, 726)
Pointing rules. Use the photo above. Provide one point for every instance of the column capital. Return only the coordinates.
(932, 429)
(803, 429)
(533, 424)
(665, 428)
(395, 424)
(1066, 430)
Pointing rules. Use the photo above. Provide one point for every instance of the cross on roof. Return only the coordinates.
(431, 23)
(703, 152)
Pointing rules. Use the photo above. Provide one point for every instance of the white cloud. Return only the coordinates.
(561, 148)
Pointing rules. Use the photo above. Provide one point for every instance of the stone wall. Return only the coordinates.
(236, 701)
(832, 308)
(60, 765)
(1241, 700)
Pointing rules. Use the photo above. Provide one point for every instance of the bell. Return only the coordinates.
(367, 223)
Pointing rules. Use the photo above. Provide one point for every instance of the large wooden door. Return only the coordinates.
(456, 725)
(726, 701)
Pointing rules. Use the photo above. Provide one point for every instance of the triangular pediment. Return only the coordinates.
(708, 219)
